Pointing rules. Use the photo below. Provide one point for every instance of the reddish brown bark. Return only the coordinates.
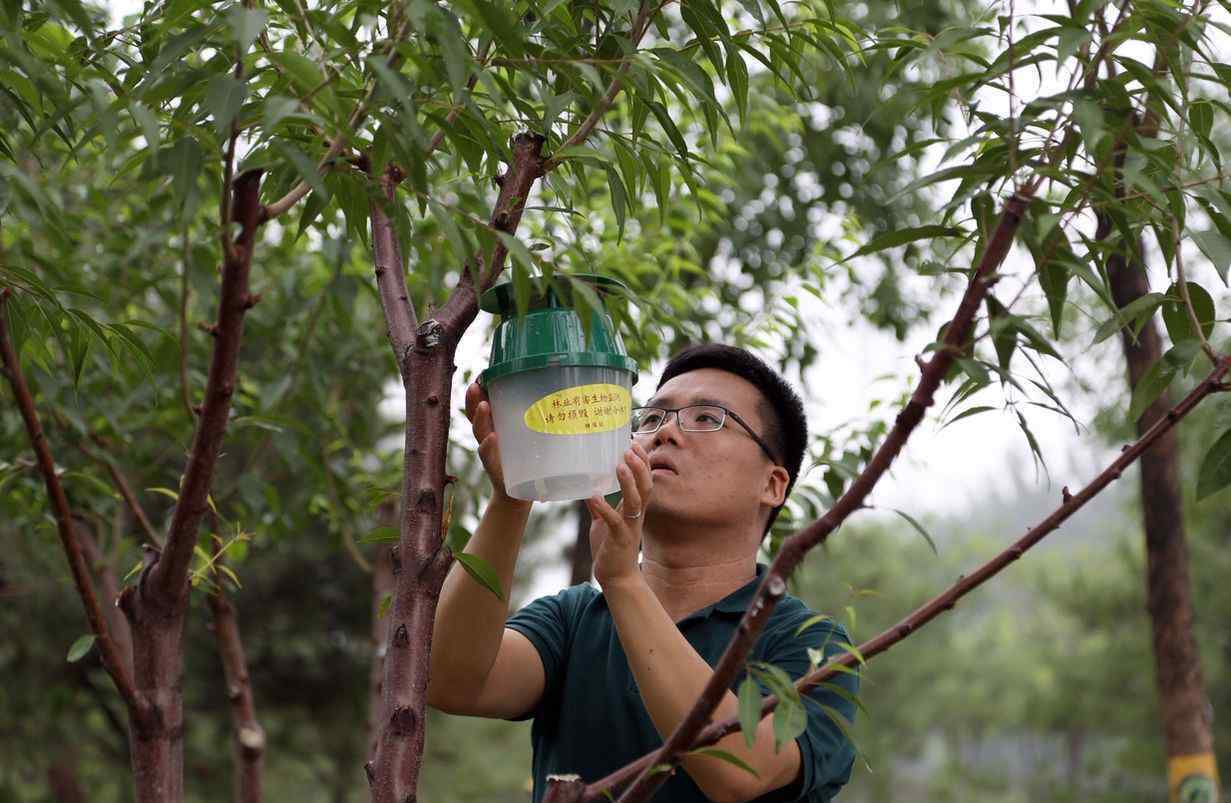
(110, 587)
(1177, 661)
(427, 369)
(773, 586)
(248, 737)
(945, 601)
(156, 605)
(382, 590)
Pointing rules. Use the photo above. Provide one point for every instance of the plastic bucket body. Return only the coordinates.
(563, 430)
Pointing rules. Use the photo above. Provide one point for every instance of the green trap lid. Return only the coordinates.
(550, 334)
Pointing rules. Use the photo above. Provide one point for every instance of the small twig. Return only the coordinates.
(113, 661)
(122, 485)
(640, 25)
(300, 190)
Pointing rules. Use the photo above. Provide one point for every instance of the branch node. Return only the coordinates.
(210, 329)
(922, 363)
(402, 720)
(401, 638)
(1065, 495)
(499, 179)
(776, 586)
(251, 300)
(396, 559)
(426, 501)
(428, 334)
(432, 400)
(197, 409)
(369, 769)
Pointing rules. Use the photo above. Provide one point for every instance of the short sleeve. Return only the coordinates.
(546, 622)
(826, 754)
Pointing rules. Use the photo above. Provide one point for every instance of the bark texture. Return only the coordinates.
(1177, 661)
(422, 561)
(248, 737)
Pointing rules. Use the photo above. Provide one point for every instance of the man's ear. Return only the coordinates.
(774, 491)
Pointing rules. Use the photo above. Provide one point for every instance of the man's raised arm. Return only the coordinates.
(478, 667)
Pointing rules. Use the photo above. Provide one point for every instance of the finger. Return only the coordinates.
(488, 449)
(473, 395)
(631, 504)
(640, 466)
(482, 421)
(601, 511)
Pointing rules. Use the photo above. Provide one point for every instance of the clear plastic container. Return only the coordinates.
(563, 430)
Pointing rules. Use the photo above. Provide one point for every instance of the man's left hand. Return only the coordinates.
(615, 535)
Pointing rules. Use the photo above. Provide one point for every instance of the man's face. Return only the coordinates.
(718, 476)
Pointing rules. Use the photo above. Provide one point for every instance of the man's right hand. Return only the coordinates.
(479, 413)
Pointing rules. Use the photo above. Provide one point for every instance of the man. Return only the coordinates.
(607, 675)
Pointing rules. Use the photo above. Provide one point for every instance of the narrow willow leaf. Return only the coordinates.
(381, 535)
(790, 720)
(224, 98)
(919, 528)
(1215, 471)
(246, 25)
(1129, 315)
(812, 621)
(723, 755)
(481, 571)
(749, 709)
(737, 77)
(305, 167)
(1215, 246)
(619, 199)
(80, 647)
(898, 237)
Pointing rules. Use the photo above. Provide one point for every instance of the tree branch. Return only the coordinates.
(300, 190)
(640, 25)
(113, 661)
(126, 492)
(169, 573)
(946, 600)
(773, 586)
(249, 736)
(400, 319)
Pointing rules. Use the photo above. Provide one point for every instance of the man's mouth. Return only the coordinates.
(659, 464)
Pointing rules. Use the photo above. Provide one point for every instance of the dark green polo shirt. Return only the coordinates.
(591, 720)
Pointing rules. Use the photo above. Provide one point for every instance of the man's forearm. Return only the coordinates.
(670, 676)
(470, 618)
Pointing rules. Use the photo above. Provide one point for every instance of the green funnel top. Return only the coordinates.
(550, 334)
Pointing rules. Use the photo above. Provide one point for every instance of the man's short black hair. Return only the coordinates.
(786, 429)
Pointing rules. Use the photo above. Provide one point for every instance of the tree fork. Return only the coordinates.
(426, 366)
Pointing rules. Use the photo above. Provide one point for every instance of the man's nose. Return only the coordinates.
(663, 434)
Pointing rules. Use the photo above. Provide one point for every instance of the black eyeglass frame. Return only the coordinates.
(725, 412)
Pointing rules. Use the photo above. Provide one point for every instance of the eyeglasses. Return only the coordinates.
(693, 418)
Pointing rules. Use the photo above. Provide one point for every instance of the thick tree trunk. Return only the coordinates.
(1182, 700)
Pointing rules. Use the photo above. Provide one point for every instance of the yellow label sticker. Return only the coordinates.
(581, 410)
(1193, 778)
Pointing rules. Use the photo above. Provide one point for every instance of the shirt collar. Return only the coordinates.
(736, 602)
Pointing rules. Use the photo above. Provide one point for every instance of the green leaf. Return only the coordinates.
(385, 603)
(481, 571)
(505, 29)
(1156, 380)
(723, 755)
(275, 109)
(184, 161)
(619, 199)
(1175, 314)
(737, 77)
(790, 720)
(1215, 246)
(305, 75)
(1215, 471)
(80, 647)
(902, 236)
(664, 119)
(749, 709)
(224, 98)
(1129, 315)
(304, 166)
(1201, 117)
(246, 24)
(919, 528)
(812, 621)
(381, 535)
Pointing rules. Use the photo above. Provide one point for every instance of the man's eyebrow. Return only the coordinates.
(657, 402)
